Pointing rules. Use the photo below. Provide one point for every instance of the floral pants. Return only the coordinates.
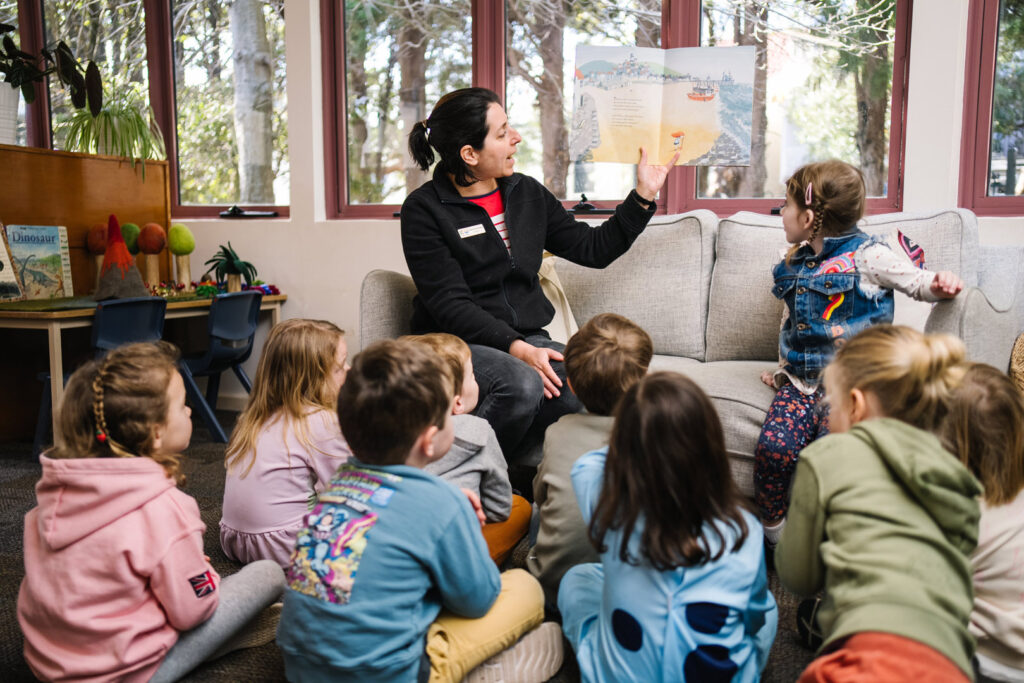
(794, 420)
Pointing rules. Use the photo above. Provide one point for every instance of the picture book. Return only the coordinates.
(41, 260)
(10, 287)
(698, 101)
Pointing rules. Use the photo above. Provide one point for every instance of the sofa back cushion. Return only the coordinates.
(661, 283)
(743, 316)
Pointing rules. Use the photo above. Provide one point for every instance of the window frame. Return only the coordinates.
(160, 65)
(976, 139)
(488, 30)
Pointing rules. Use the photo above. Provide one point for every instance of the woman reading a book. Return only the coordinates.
(473, 238)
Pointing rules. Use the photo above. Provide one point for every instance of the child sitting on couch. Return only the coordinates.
(387, 546)
(603, 360)
(475, 461)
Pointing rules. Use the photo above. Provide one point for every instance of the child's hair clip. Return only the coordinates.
(101, 436)
(809, 195)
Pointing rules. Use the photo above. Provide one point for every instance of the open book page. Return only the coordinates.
(698, 101)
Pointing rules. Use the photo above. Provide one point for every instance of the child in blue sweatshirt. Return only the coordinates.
(391, 578)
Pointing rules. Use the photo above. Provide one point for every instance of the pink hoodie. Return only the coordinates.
(114, 569)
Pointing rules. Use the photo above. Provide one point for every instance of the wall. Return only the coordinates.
(320, 264)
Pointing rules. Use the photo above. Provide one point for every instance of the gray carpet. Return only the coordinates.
(203, 464)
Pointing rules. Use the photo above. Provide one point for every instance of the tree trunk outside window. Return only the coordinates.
(253, 71)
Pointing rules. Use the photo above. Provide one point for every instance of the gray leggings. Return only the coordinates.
(242, 596)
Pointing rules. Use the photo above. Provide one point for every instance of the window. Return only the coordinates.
(831, 84)
(12, 104)
(992, 149)
(213, 73)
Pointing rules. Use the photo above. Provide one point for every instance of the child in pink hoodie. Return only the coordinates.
(114, 567)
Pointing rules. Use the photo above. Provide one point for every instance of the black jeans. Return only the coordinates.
(512, 397)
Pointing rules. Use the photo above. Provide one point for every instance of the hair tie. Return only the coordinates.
(809, 195)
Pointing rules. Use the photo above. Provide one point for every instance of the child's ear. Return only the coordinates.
(458, 407)
(860, 407)
(425, 443)
(807, 219)
(158, 438)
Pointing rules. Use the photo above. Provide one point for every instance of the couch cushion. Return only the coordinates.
(385, 306)
(661, 283)
(741, 400)
(949, 238)
(743, 316)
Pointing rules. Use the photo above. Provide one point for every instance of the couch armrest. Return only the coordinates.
(385, 306)
(988, 330)
(1001, 277)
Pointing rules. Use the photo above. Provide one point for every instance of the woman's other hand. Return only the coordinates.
(539, 358)
(650, 179)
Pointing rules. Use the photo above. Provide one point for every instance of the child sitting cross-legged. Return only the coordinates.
(985, 429)
(391, 578)
(475, 461)
(607, 356)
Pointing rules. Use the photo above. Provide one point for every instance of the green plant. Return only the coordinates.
(22, 70)
(226, 262)
(123, 127)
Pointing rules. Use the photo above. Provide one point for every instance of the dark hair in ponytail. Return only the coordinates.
(459, 119)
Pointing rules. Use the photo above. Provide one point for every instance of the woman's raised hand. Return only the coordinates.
(649, 179)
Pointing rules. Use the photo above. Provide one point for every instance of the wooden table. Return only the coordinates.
(55, 322)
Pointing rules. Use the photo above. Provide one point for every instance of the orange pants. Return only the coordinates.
(502, 537)
(881, 658)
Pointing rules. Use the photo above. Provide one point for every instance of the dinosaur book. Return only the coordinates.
(41, 260)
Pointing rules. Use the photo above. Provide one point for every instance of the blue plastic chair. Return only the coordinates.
(232, 328)
(117, 322)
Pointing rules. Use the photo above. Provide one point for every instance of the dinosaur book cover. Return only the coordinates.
(41, 260)
(10, 285)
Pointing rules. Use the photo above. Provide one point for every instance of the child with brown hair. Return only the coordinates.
(985, 429)
(475, 462)
(681, 591)
(835, 281)
(287, 443)
(884, 518)
(607, 356)
(116, 584)
(391, 579)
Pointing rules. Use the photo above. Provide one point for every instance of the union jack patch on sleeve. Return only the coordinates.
(203, 584)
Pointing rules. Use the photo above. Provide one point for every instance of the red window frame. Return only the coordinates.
(979, 84)
(679, 194)
(161, 96)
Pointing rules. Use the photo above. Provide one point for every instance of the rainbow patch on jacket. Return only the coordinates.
(843, 263)
(835, 302)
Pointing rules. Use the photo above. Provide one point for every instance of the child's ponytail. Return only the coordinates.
(912, 375)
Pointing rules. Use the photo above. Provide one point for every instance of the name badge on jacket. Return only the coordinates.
(477, 229)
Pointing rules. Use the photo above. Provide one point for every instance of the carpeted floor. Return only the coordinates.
(205, 471)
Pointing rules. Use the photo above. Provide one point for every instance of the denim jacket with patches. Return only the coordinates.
(827, 303)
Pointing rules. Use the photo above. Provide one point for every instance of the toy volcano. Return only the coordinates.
(119, 278)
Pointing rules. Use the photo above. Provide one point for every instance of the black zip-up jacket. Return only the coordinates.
(470, 286)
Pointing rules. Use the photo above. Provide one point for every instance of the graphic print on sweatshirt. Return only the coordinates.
(335, 533)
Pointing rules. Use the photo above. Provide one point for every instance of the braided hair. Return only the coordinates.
(112, 407)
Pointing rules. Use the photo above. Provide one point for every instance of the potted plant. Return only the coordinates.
(226, 265)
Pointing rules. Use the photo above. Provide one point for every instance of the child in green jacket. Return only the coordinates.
(883, 518)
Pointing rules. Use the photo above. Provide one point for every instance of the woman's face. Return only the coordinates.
(494, 159)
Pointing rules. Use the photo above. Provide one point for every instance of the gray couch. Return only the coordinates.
(701, 287)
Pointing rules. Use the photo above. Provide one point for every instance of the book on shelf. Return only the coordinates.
(41, 259)
(10, 285)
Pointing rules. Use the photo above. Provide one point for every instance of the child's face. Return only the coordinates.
(796, 222)
(466, 400)
(341, 366)
(175, 433)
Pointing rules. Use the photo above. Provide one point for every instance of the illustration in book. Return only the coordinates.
(41, 260)
(10, 286)
(695, 100)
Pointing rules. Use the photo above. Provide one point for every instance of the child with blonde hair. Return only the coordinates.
(605, 357)
(475, 461)
(985, 429)
(681, 591)
(835, 281)
(116, 584)
(884, 518)
(287, 443)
